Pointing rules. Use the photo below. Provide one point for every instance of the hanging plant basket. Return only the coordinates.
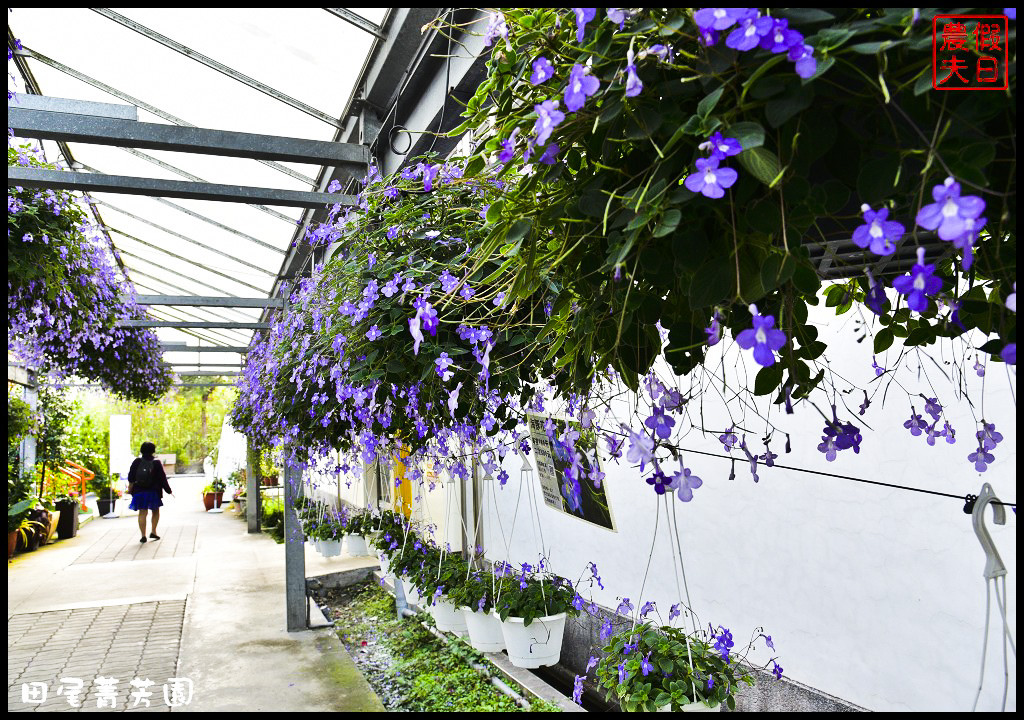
(355, 546)
(484, 630)
(330, 548)
(448, 618)
(535, 646)
(412, 596)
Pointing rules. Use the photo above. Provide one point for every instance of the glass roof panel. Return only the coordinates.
(306, 53)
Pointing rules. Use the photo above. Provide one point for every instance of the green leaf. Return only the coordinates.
(768, 379)
(829, 38)
(870, 48)
(762, 163)
(781, 109)
(705, 106)
(877, 178)
(923, 84)
(519, 230)
(883, 340)
(749, 134)
(494, 211)
(711, 284)
(669, 222)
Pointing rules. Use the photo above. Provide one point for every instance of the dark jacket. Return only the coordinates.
(159, 476)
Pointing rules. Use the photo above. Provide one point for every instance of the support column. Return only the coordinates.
(252, 491)
(28, 443)
(294, 552)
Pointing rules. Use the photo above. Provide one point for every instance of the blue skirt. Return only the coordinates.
(146, 500)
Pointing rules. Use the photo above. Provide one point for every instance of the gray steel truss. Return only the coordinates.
(200, 324)
(209, 301)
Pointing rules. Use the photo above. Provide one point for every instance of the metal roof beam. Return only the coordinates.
(25, 52)
(191, 324)
(199, 301)
(60, 180)
(357, 20)
(213, 335)
(49, 125)
(207, 373)
(219, 67)
(202, 348)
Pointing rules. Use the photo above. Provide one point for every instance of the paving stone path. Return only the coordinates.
(121, 544)
(124, 642)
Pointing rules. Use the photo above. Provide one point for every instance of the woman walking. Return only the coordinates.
(146, 483)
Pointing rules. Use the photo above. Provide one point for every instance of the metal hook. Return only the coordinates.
(993, 563)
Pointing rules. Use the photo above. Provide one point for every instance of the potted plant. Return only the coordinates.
(213, 494)
(648, 669)
(533, 606)
(356, 529)
(438, 579)
(16, 515)
(330, 533)
(474, 597)
(106, 499)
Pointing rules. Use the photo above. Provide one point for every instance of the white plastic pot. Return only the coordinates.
(447, 617)
(385, 565)
(330, 548)
(484, 630)
(355, 545)
(535, 646)
(411, 596)
(701, 707)
(317, 545)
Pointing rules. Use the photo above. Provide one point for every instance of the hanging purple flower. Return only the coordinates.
(548, 157)
(606, 629)
(617, 15)
(721, 147)
(581, 86)
(776, 670)
(660, 423)
(543, 71)
(496, 28)
(373, 333)
(965, 243)
(803, 56)
(1011, 299)
(918, 284)
(508, 148)
(878, 232)
(915, 424)
(633, 84)
(933, 407)
(988, 436)
(660, 481)
(878, 368)
(548, 118)
(583, 16)
(763, 337)
(728, 439)
(714, 331)
(577, 689)
(875, 298)
(641, 448)
(623, 674)
(645, 664)
(719, 18)
(684, 483)
(981, 459)
(624, 607)
(1009, 354)
(723, 643)
(780, 39)
(768, 458)
(443, 363)
(829, 447)
(949, 211)
(710, 180)
(749, 33)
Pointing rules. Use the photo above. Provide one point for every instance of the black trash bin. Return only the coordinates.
(67, 523)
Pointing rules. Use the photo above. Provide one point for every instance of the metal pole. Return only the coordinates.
(252, 491)
(294, 552)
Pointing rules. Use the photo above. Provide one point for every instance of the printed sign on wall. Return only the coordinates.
(570, 481)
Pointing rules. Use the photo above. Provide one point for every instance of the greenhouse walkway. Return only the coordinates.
(203, 606)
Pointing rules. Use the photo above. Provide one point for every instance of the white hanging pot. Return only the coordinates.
(355, 545)
(447, 617)
(411, 596)
(330, 548)
(697, 707)
(484, 630)
(385, 565)
(318, 544)
(535, 646)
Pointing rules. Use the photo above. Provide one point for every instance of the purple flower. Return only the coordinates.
(988, 436)
(508, 147)
(429, 173)
(949, 211)
(674, 612)
(660, 423)
(763, 337)
(721, 147)
(592, 663)
(645, 664)
(768, 641)
(829, 447)
(780, 39)
(915, 424)
(614, 445)
(881, 234)
(878, 368)
(448, 281)
(981, 459)
(1011, 299)
(660, 481)
(875, 298)
(606, 629)
(548, 157)
(577, 690)
(684, 483)
(933, 407)
(543, 71)
(581, 85)
(728, 439)
(776, 670)
(641, 448)
(373, 333)
(617, 15)
(467, 292)
(443, 363)
(714, 331)
(496, 28)
(803, 56)
(583, 16)
(723, 643)
(623, 675)
(548, 118)
(768, 457)
(1009, 354)
(633, 84)
(749, 33)
(646, 610)
(658, 50)
(918, 284)
(710, 180)
(715, 18)
(624, 607)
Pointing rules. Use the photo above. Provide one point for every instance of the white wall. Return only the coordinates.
(871, 594)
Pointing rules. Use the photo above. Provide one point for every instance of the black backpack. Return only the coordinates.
(144, 475)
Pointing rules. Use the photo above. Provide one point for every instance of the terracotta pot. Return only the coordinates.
(212, 500)
(12, 542)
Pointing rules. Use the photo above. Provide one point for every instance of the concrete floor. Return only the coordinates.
(231, 642)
